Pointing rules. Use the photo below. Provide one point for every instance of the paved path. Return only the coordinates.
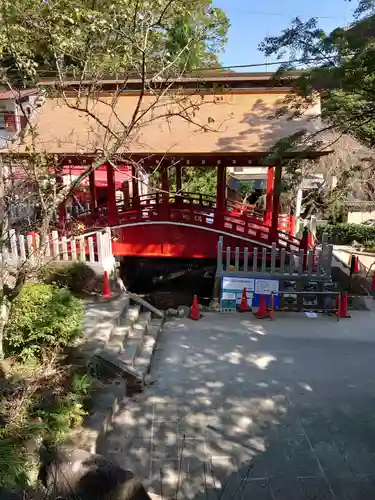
(245, 409)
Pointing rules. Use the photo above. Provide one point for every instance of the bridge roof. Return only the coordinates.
(188, 123)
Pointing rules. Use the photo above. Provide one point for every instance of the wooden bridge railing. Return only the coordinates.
(196, 208)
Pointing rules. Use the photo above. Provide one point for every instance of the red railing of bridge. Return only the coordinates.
(198, 209)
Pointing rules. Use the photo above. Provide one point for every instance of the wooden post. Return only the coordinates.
(126, 193)
(178, 168)
(135, 199)
(269, 196)
(164, 185)
(276, 203)
(111, 195)
(93, 197)
(220, 195)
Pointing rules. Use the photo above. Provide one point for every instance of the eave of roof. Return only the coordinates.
(250, 80)
(188, 159)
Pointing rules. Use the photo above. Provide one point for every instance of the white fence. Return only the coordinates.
(95, 249)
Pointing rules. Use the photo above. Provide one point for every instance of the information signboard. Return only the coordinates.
(232, 289)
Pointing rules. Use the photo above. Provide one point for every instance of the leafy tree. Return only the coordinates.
(155, 41)
(200, 180)
(340, 66)
(112, 37)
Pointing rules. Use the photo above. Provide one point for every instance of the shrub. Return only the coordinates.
(76, 276)
(14, 467)
(344, 234)
(43, 316)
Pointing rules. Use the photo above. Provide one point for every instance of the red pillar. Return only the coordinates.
(93, 198)
(111, 195)
(135, 199)
(276, 202)
(220, 195)
(269, 196)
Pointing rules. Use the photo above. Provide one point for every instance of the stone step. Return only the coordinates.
(119, 336)
(143, 360)
(140, 326)
(100, 319)
(132, 313)
(134, 339)
(120, 366)
(132, 347)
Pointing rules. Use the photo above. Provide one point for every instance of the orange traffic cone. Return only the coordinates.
(244, 306)
(194, 311)
(262, 310)
(310, 240)
(344, 306)
(106, 292)
(356, 265)
(271, 308)
(373, 285)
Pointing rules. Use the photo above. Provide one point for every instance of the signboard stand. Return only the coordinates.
(232, 289)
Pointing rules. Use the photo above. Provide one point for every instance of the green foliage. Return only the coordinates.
(108, 37)
(344, 234)
(246, 189)
(14, 466)
(44, 400)
(341, 65)
(43, 316)
(77, 276)
(200, 180)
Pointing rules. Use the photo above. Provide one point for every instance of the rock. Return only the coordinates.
(183, 311)
(215, 305)
(172, 312)
(80, 474)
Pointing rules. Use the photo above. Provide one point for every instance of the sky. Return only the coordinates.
(251, 21)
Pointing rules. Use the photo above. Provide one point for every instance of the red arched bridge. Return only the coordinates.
(188, 225)
(180, 224)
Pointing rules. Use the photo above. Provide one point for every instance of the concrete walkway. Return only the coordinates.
(251, 409)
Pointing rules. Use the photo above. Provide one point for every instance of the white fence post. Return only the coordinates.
(64, 245)
(21, 242)
(79, 248)
(13, 244)
(99, 243)
(55, 245)
(30, 248)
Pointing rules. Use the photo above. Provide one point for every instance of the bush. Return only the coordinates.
(77, 276)
(43, 316)
(43, 401)
(344, 234)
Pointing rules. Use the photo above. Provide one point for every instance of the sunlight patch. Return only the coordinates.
(262, 362)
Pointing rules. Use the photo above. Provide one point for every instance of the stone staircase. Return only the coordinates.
(122, 333)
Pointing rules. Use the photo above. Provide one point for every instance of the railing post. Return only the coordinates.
(276, 202)
(219, 265)
(269, 196)
(220, 196)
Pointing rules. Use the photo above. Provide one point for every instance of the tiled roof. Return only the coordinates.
(223, 123)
